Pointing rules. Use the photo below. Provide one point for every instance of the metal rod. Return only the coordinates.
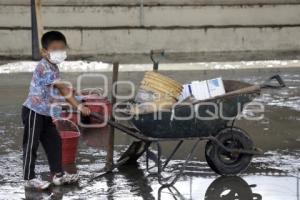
(159, 169)
(174, 196)
(172, 154)
(177, 192)
(147, 159)
(298, 194)
(191, 187)
(36, 28)
(110, 147)
(186, 162)
(141, 13)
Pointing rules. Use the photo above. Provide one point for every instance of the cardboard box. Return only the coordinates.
(215, 87)
(202, 90)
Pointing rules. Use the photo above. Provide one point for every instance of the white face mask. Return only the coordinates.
(57, 57)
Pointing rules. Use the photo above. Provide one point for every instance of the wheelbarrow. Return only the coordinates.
(229, 149)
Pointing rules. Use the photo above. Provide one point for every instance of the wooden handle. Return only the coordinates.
(157, 51)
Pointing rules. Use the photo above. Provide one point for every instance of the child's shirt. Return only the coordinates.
(42, 94)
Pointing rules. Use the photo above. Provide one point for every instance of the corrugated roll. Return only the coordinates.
(159, 90)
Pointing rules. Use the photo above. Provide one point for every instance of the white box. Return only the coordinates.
(202, 90)
(216, 87)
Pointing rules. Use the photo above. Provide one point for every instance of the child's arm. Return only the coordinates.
(67, 94)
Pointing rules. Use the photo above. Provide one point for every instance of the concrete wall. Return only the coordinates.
(210, 30)
(151, 2)
(154, 16)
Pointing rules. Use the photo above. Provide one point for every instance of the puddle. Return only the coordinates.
(272, 176)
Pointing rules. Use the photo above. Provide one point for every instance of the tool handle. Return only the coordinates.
(157, 51)
(155, 60)
(268, 84)
(97, 116)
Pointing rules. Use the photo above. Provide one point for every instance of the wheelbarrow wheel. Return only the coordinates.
(226, 163)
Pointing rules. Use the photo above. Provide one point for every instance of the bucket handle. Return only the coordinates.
(97, 91)
(61, 119)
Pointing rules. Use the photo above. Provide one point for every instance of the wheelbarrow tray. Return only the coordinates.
(169, 124)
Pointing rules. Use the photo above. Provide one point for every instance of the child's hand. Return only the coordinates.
(85, 111)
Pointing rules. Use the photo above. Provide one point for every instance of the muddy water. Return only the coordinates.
(272, 176)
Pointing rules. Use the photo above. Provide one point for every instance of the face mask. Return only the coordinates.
(57, 57)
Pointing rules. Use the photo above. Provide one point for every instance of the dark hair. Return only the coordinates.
(52, 36)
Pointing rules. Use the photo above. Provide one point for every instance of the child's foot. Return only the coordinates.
(65, 179)
(37, 184)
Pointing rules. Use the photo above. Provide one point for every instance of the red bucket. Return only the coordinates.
(70, 116)
(70, 140)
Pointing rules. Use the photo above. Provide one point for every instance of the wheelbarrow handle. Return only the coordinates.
(97, 116)
(267, 83)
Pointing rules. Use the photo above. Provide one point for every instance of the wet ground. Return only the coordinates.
(272, 176)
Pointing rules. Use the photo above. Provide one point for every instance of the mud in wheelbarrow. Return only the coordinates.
(229, 149)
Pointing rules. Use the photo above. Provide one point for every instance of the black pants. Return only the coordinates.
(40, 128)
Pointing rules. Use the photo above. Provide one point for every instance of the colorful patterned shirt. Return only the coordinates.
(42, 94)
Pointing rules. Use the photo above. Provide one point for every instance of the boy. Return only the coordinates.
(38, 110)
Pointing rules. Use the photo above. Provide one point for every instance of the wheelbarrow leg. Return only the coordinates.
(175, 194)
(147, 159)
(150, 156)
(130, 156)
(160, 169)
(153, 157)
(133, 153)
(172, 154)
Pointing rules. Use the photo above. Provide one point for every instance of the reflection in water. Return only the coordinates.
(231, 188)
(135, 179)
(132, 177)
(223, 188)
(56, 193)
(131, 182)
(37, 195)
